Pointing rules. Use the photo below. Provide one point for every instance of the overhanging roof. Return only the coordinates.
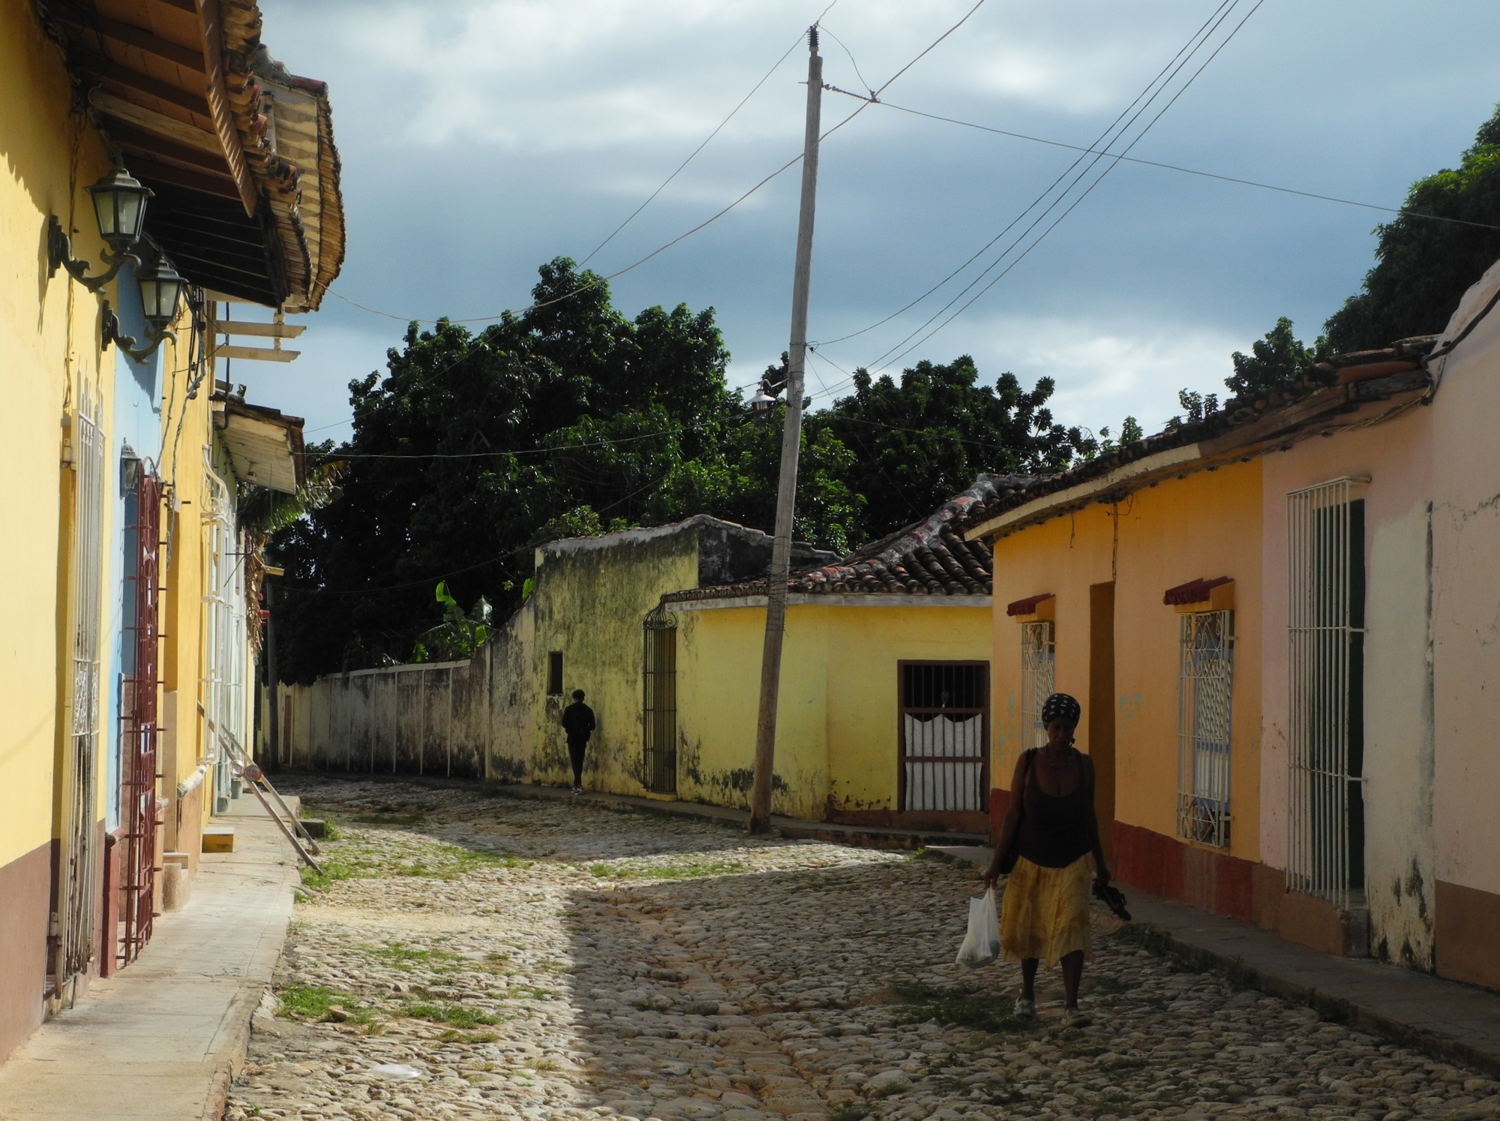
(1347, 391)
(264, 445)
(174, 85)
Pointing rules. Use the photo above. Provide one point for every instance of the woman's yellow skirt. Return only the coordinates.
(1045, 913)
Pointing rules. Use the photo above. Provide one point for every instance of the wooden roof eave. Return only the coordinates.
(1322, 413)
(108, 54)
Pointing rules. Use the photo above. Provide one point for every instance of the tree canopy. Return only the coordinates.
(570, 418)
(1423, 266)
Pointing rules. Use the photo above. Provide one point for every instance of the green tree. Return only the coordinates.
(570, 419)
(1276, 362)
(918, 442)
(1424, 267)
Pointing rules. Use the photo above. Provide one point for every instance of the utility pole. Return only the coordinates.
(791, 444)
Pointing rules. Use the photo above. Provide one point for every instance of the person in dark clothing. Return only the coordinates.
(578, 724)
(1055, 834)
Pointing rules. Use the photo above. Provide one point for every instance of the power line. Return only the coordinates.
(1087, 191)
(1108, 134)
(753, 90)
(1175, 67)
(1401, 210)
(701, 225)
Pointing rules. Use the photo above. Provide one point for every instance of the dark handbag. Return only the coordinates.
(1007, 863)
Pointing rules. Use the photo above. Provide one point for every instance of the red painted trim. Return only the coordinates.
(1194, 591)
(1171, 869)
(1026, 606)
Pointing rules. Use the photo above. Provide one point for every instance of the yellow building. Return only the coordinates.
(121, 483)
(884, 686)
(884, 706)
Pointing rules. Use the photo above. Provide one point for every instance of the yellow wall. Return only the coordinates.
(590, 601)
(48, 337)
(837, 731)
(1205, 525)
(186, 430)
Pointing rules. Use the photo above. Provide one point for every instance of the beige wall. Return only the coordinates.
(1466, 602)
(1395, 457)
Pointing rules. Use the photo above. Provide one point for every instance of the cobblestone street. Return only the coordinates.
(469, 956)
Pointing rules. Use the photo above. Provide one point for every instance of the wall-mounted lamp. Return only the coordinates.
(120, 209)
(161, 290)
(765, 395)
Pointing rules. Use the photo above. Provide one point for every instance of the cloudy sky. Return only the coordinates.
(481, 138)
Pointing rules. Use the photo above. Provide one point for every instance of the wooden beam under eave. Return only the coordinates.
(218, 104)
(160, 147)
(107, 69)
(120, 108)
(208, 182)
(140, 38)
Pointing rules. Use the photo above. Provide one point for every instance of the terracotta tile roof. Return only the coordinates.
(1329, 391)
(927, 558)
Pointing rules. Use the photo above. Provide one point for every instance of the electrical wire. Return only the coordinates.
(1186, 170)
(896, 357)
(753, 90)
(600, 280)
(1107, 135)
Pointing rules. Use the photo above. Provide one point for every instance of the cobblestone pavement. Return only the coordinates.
(516, 958)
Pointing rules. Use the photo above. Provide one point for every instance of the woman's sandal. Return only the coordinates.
(1026, 1011)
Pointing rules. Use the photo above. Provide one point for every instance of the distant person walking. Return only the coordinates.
(1054, 834)
(578, 724)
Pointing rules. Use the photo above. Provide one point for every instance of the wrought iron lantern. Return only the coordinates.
(120, 210)
(161, 291)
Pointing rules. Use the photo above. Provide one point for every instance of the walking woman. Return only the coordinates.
(1053, 830)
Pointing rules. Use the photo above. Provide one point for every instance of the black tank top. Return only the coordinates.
(1056, 829)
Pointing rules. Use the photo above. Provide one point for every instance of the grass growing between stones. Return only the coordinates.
(956, 1007)
(452, 1014)
(686, 870)
(319, 1003)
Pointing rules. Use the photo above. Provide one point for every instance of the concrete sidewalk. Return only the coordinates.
(873, 836)
(162, 1038)
(1446, 1019)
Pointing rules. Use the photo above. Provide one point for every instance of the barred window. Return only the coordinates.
(1038, 661)
(1205, 690)
(1325, 719)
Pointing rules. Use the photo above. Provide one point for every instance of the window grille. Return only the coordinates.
(79, 857)
(1326, 594)
(554, 674)
(944, 729)
(1038, 662)
(1204, 721)
(225, 643)
(138, 716)
(659, 706)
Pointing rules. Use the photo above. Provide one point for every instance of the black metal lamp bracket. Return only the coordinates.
(60, 254)
(109, 332)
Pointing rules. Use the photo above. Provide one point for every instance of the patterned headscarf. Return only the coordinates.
(1061, 705)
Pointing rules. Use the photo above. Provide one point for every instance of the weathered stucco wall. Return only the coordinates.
(1466, 644)
(592, 597)
(1399, 827)
(837, 734)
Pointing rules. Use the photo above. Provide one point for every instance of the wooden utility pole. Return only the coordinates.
(791, 443)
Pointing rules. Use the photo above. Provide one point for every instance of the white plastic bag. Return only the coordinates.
(982, 942)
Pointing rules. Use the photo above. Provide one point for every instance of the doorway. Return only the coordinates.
(1102, 705)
